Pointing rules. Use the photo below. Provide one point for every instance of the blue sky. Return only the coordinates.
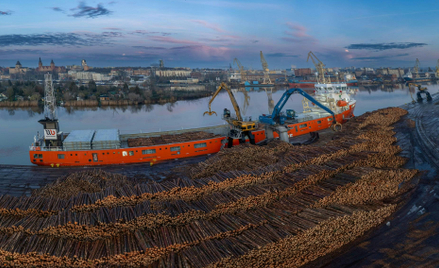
(199, 33)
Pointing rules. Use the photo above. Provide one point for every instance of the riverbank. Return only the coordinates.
(171, 99)
(19, 104)
(278, 205)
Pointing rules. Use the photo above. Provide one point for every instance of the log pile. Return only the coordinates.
(249, 206)
(90, 181)
(170, 138)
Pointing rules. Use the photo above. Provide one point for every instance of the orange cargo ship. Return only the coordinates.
(109, 147)
(58, 156)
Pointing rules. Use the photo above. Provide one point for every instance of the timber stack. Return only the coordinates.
(247, 206)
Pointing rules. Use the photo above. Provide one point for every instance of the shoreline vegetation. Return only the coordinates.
(68, 94)
(169, 98)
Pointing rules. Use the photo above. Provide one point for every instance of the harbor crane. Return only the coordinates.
(320, 67)
(277, 121)
(241, 69)
(265, 70)
(416, 68)
(240, 129)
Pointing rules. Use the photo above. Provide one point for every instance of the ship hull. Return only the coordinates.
(415, 80)
(352, 83)
(157, 153)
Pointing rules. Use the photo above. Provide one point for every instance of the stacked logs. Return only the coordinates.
(291, 207)
(296, 251)
(89, 181)
(170, 138)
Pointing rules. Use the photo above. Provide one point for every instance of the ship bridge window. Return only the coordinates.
(61, 156)
(38, 156)
(175, 148)
(150, 151)
(200, 145)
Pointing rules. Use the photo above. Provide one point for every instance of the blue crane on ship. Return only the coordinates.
(276, 121)
(276, 118)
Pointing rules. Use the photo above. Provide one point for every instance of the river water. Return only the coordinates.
(19, 126)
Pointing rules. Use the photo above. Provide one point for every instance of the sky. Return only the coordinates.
(210, 34)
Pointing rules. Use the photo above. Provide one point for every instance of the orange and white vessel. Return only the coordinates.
(109, 147)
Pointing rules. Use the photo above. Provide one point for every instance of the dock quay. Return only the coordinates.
(366, 195)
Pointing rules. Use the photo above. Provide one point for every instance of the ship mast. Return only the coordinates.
(49, 98)
(52, 136)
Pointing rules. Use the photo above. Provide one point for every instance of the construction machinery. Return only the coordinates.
(240, 129)
(320, 67)
(265, 70)
(421, 90)
(276, 122)
(241, 70)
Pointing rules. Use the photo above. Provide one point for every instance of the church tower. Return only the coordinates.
(52, 65)
(40, 64)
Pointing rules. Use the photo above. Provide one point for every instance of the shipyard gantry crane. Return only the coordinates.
(320, 67)
(265, 70)
(239, 128)
(241, 70)
(416, 68)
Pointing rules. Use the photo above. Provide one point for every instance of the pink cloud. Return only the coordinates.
(298, 33)
(203, 52)
(209, 25)
(167, 39)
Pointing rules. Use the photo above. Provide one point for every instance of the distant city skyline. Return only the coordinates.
(210, 34)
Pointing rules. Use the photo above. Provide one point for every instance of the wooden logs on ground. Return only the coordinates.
(278, 206)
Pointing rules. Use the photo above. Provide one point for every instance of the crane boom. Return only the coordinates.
(265, 69)
(275, 118)
(232, 99)
(320, 67)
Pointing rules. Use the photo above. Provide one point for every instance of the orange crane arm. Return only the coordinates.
(232, 99)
